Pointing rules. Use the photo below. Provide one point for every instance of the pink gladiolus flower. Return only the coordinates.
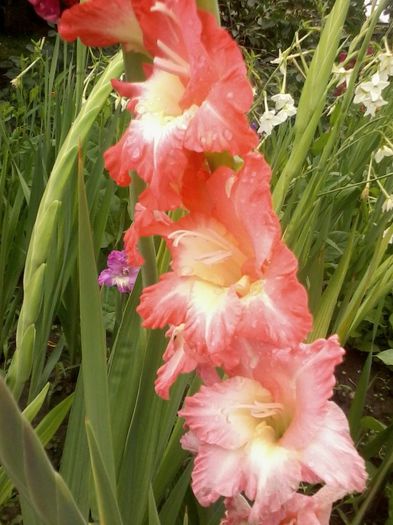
(119, 273)
(103, 23)
(232, 275)
(194, 100)
(264, 435)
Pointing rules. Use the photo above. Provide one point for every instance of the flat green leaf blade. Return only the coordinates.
(26, 463)
(45, 431)
(108, 509)
(124, 372)
(93, 343)
(153, 514)
(174, 502)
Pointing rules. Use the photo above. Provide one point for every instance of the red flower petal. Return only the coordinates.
(102, 23)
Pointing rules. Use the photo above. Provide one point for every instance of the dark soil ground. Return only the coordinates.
(379, 404)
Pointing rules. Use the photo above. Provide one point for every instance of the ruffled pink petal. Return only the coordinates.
(155, 150)
(165, 302)
(272, 474)
(214, 416)
(217, 126)
(228, 63)
(217, 472)
(147, 221)
(118, 162)
(177, 361)
(242, 203)
(153, 144)
(237, 511)
(212, 316)
(275, 309)
(102, 23)
(300, 509)
(311, 369)
(332, 455)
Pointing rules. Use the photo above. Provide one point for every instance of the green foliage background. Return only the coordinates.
(269, 25)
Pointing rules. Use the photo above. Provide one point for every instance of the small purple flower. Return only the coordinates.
(119, 273)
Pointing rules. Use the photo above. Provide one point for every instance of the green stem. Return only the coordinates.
(211, 6)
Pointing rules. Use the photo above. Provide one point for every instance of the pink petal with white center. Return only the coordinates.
(102, 23)
(153, 146)
(274, 308)
(212, 316)
(165, 302)
(217, 472)
(271, 473)
(332, 455)
(221, 414)
(172, 33)
(204, 248)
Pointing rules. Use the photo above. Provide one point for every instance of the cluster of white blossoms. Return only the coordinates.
(284, 109)
(370, 93)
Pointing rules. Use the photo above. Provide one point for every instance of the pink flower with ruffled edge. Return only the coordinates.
(188, 103)
(264, 435)
(232, 275)
(299, 509)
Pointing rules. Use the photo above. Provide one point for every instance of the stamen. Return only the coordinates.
(160, 7)
(170, 67)
(213, 257)
(259, 409)
(179, 235)
(172, 54)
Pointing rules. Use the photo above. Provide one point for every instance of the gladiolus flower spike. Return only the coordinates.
(231, 298)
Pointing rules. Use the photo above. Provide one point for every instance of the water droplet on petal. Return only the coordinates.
(187, 270)
(135, 153)
(230, 94)
(228, 134)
